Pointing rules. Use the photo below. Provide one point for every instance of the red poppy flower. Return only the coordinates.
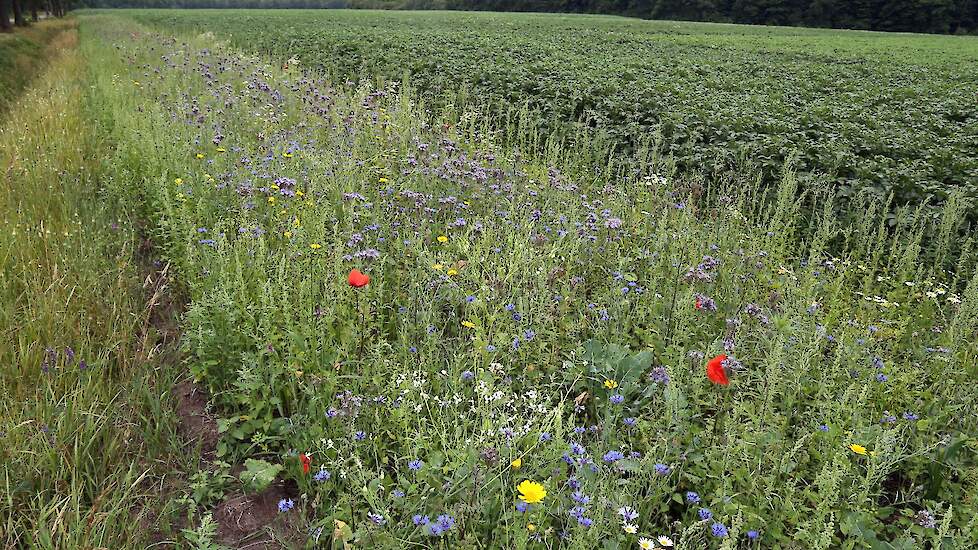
(358, 279)
(699, 303)
(305, 463)
(716, 372)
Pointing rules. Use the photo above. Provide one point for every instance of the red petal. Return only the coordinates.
(358, 279)
(715, 371)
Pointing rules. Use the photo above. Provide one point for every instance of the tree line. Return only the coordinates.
(21, 10)
(930, 16)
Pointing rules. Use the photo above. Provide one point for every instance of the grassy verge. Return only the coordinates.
(24, 52)
(83, 436)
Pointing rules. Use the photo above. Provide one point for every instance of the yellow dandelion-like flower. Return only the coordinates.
(438, 267)
(468, 324)
(221, 150)
(271, 200)
(382, 180)
(287, 155)
(516, 465)
(531, 492)
(452, 272)
(178, 181)
(315, 246)
(200, 155)
(442, 239)
(858, 449)
(610, 384)
(288, 234)
(530, 527)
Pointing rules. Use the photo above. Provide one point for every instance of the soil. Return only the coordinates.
(245, 521)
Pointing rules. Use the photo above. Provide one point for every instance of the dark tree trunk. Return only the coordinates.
(34, 15)
(19, 14)
(5, 15)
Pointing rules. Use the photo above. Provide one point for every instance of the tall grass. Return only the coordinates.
(81, 443)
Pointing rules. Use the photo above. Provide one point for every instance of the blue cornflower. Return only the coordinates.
(580, 497)
(397, 493)
(377, 519)
(321, 475)
(468, 375)
(617, 399)
(719, 530)
(516, 343)
(545, 436)
(627, 513)
(415, 465)
(613, 456)
(752, 534)
(418, 519)
(509, 307)
(469, 299)
(586, 522)
(880, 377)
(446, 522)
(910, 416)
(360, 436)
(661, 469)
(630, 421)
(490, 348)
(286, 504)
(528, 335)
(705, 513)
(522, 506)
(692, 497)
(823, 428)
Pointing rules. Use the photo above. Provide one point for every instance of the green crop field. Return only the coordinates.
(884, 113)
(575, 283)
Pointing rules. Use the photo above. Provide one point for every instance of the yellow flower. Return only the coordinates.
(610, 384)
(516, 465)
(315, 246)
(271, 200)
(438, 267)
(200, 155)
(288, 234)
(530, 527)
(442, 239)
(452, 272)
(178, 181)
(382, 180)
(470, 324)
(858, 449)
(221, 150)
(287, 155)
(531, 492)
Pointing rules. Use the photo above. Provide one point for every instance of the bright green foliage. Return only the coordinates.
(874, 112)
(558, 332)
